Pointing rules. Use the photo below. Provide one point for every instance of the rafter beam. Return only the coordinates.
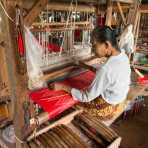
(35, 11)
(121, 13)
(144, 8)
(17, 81)
(124, 1)
(108, 21)
(65, 7)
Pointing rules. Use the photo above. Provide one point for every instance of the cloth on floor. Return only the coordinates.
(53, 102)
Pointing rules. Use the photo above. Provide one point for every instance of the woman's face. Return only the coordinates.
(101, 49)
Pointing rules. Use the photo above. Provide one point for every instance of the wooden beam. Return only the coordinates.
(46, 29)
(55, 24)
(109, 13)
(144, 8)
(125, 8)
(67, 70)
(121, 13)
(18, 82)
(35, 11)
(124, 1)
(64, 120)
(131, 19)
(65, 7)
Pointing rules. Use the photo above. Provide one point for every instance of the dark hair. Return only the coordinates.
(104, 34)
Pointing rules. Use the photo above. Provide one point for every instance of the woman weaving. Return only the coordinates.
(112, 80)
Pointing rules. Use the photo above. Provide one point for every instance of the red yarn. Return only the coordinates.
(143, 80)
(81, 81)
(53, 102)
(54, 47)
(21, 48)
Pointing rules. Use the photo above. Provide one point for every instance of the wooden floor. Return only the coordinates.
(134, 131)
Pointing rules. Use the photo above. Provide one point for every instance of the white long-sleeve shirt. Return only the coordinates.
(112, 82)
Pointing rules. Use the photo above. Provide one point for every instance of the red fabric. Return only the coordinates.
(101, 21)
(53, 102)
(81, 81)
(21, 48)
(143, 80)
(53, 47)
(77, 33)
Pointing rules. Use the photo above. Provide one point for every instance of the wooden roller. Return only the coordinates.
(99, 127)
(89, 133)
(56, 141)
(64, 120)
(74, 139)
(58, 137)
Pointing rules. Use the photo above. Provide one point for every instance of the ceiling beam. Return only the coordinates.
(109, 13)
(124, 1)
(121, 13)
(144, 8)
(35, 11)
(65, 7)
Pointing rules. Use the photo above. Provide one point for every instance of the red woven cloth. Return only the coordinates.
(54, 47)
(82, 81)
(143, 80)
(53, 102)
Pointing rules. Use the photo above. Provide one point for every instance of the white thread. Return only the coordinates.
(6, 12)
(18, 139)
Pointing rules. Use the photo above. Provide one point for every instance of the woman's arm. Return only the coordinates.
(97, 87)
(93, 69)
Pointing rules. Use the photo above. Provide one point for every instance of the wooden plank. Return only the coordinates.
(5, 88)
(66, 7)
(115, 143)
(132, 13)
(35, 11)
(61, 29)
(19, 91)
(144, 8)
(108, 21)
(124, 1)
(57, 24)
(64, 120)
(137, 28)
(125, 8)
(121, 13)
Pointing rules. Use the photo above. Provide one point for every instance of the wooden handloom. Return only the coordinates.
(19, 92)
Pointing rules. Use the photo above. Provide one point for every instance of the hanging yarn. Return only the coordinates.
(34, 53)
